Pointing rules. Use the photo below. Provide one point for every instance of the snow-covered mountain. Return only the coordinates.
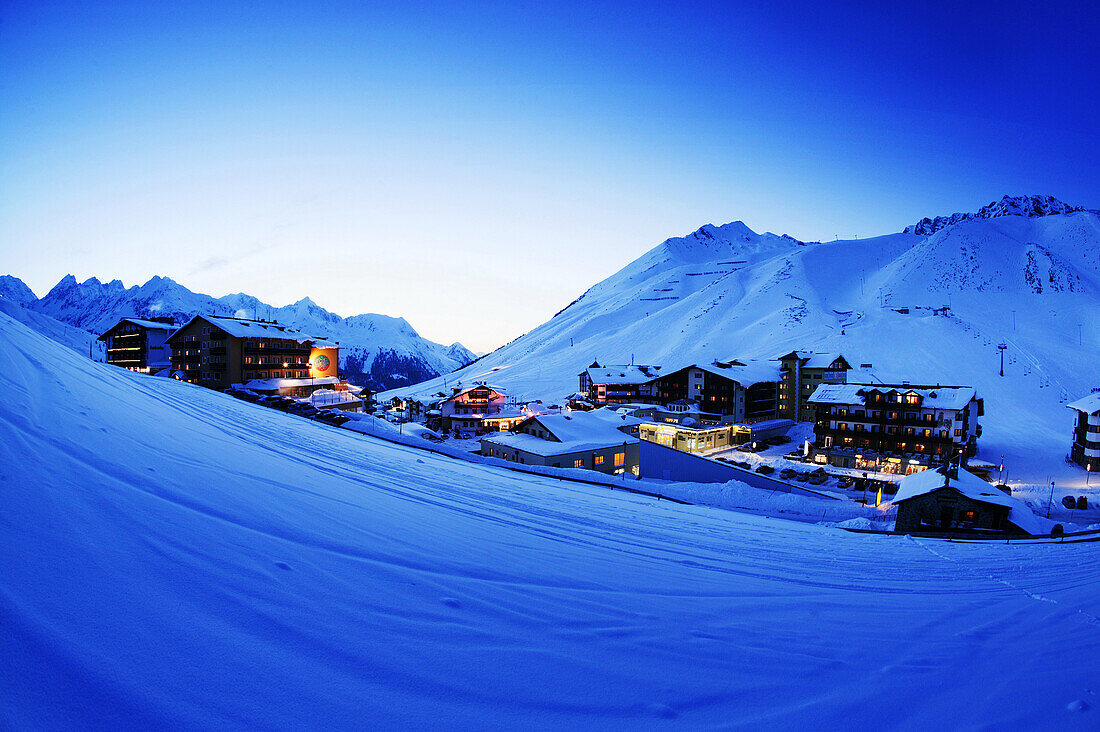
(376, 350)
(1032, 282)
(14, 290)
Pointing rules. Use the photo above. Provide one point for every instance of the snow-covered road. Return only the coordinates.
(171, 557)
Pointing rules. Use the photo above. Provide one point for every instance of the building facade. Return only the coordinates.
(746, 392)
(801, 372)
(140, 345)
(465, 409)
(216, 352)
(1085, 449)
(894, 428)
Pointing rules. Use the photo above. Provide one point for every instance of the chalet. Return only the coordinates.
(617, 384)
(1086, 432)
(952, 500)
(140, 345)
(592, 440)
(216, 352)
(801, 372)
(743, 390)
(894, 428)
(465, 410)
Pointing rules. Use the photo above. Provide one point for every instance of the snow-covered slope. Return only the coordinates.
(173, 558)
(726, 292)
(81, 341)
(377, 350)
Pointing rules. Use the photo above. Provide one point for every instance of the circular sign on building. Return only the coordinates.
(321, 362)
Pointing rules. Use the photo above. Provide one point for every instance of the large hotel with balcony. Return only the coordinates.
(139, 345)
(216, 352)
(894, 428)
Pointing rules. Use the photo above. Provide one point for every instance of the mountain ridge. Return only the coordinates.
(378, 351)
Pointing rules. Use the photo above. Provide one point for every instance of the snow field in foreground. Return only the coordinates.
(171, 557)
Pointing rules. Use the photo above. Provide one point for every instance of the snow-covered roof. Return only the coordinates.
(745, 372)
(625, 374)
(471, 388)
(598, 437)
(811, 360)
(974, 488)
(147, 324)
(937, 397)
(242, 328)
(574, 432)
(1089, 404)
(150, 324)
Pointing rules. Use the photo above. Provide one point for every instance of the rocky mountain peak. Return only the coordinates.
(15, 290)
(1030, 206)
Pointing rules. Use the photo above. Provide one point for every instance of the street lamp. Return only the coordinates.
(1001, 347)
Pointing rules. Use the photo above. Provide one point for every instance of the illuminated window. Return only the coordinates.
(579, 463)
(620, 459)
(597, 459)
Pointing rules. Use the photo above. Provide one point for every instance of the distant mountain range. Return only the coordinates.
(376, 350)
(924, 307)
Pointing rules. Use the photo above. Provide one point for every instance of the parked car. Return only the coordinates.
(787, 473)
(844, 481)
(818, 478)
(765, 469)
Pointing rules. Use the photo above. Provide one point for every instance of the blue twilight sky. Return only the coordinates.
(474, 168)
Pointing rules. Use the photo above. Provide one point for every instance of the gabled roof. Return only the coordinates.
(1089, 404)
(468, 389)
(574, 432)
(938, 397)
(974, 488)
(745, 373)
(243, 328)
(810, 360)
(148, 324)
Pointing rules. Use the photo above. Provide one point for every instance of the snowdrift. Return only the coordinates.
(173, 558)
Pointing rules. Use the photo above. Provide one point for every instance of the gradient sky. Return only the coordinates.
(475, 168)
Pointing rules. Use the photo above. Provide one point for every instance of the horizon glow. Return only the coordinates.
(473, 170)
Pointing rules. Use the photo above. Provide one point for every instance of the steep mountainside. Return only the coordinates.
(376, 350)
(14, 290)
(726, 292)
